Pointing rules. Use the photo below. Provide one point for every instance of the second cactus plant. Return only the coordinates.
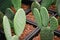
(47, 25)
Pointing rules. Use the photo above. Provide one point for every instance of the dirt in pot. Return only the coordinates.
(37, 37)
(30, 16)
(25, 7)
(28, 29)
(52, 7)
(56, 38)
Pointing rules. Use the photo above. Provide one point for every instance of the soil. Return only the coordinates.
(28, 28)
(30, 17)
(52, 7)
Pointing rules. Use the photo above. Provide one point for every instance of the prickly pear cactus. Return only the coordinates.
(47, 33)
(37, 17)
(46, 3)
(5, 4)
(17, 4)
(35, 4)
(42, 18)
(7, 29)
(9, 13)
(53, 23)
(19, 25)
(58, 7)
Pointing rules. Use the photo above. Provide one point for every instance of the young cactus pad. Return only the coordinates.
(41, 16)
(7, 29)
(19, 25)
(58, 6)
(44, 16)
(37, 17)
(35, 4)
(42, 19)
(46, 3)
(47, 33)
(9, 13)
(19, 21)
(17, 4)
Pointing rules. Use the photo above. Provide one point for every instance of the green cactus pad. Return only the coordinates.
(5, 4)
(53, 23)
(15, 37)
(44, 15)
(46, 34)
(35, 4)
(19, 22)
(37, 17)
(7, 29)
(9, 13)
(58, 6)
(17, 4)
(46, 3)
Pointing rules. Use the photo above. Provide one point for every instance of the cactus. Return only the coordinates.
(37, 17)
(46, 3)
(42, 18)
(7, 29)
(17, 4)
(35, 4)
(5, 4)
(19, 25)
(19, 20)
(58, 6)
(9, 13)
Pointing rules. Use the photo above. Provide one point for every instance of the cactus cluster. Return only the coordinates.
(46, 23)
(16, 21)
(19, 25)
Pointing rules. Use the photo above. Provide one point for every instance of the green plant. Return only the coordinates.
(35, 4)
(5, 4)
(10, 14)
(17, 4)
(43, 21)
(58, 7)
(44, 3)
(19, 24)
